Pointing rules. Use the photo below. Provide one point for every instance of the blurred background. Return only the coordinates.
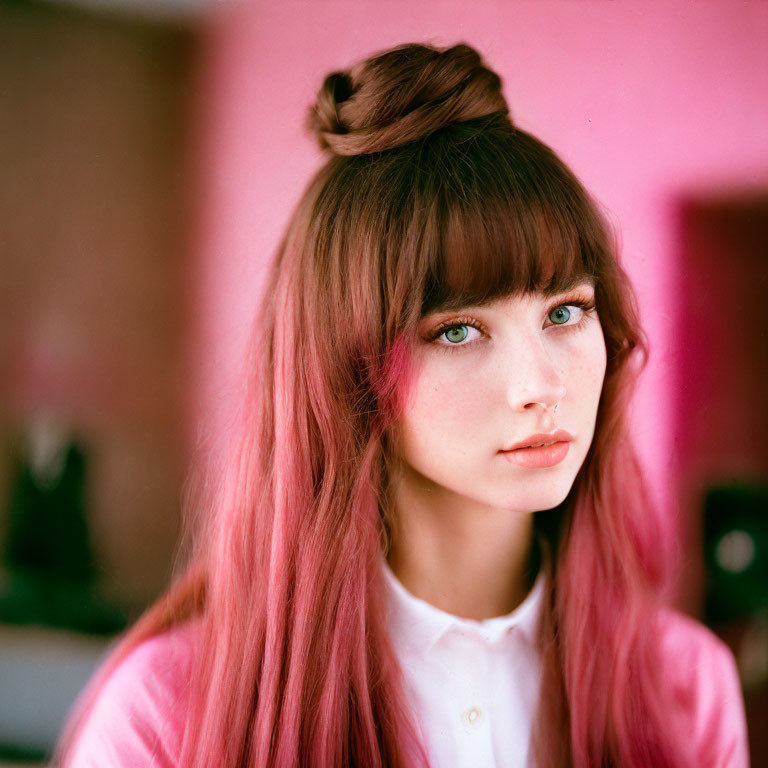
(151, 154)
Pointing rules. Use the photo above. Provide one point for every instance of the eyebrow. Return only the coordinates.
(575, 281)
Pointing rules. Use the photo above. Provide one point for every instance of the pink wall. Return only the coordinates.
(646, 100)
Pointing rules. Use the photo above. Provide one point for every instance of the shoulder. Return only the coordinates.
(705, 682)
(139, 714)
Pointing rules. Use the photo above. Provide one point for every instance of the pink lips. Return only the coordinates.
(545, 456)
(540, 450)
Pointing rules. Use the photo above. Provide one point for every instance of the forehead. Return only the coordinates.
(455, 304)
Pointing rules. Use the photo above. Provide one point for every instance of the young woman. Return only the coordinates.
(432, 545)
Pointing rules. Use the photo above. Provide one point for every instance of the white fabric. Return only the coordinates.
(474, 684)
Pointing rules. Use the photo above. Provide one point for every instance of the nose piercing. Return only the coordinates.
(545, 406)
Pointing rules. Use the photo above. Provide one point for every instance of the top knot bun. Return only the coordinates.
(401, 95)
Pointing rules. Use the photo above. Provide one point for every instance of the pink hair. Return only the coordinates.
(295, 666)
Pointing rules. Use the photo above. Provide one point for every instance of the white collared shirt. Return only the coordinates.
(473, 684)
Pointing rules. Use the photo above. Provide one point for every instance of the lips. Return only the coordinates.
(542, 438)
(538, 458)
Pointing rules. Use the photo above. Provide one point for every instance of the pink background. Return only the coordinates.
(648, 102)
(651, 102)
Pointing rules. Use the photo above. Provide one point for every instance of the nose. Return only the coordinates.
(534, 381)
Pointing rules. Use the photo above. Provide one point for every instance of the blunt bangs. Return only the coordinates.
(511, 219)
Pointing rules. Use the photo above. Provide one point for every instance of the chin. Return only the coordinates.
(546, 493)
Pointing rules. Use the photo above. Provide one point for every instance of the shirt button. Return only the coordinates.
(472, 717)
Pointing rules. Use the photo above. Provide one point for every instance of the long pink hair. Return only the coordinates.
(430, 197)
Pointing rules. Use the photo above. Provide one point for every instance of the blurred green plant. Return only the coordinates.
(51, 576)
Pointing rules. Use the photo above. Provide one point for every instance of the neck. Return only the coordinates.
(466, 558)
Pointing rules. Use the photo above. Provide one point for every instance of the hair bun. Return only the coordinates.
(401, 95)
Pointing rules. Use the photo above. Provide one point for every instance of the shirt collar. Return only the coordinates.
(419, 624)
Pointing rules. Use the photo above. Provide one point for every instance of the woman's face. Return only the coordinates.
(490, 377)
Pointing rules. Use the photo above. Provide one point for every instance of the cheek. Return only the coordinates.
(587, 370)
(445, 406)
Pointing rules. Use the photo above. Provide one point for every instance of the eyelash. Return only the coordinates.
(586, 305)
